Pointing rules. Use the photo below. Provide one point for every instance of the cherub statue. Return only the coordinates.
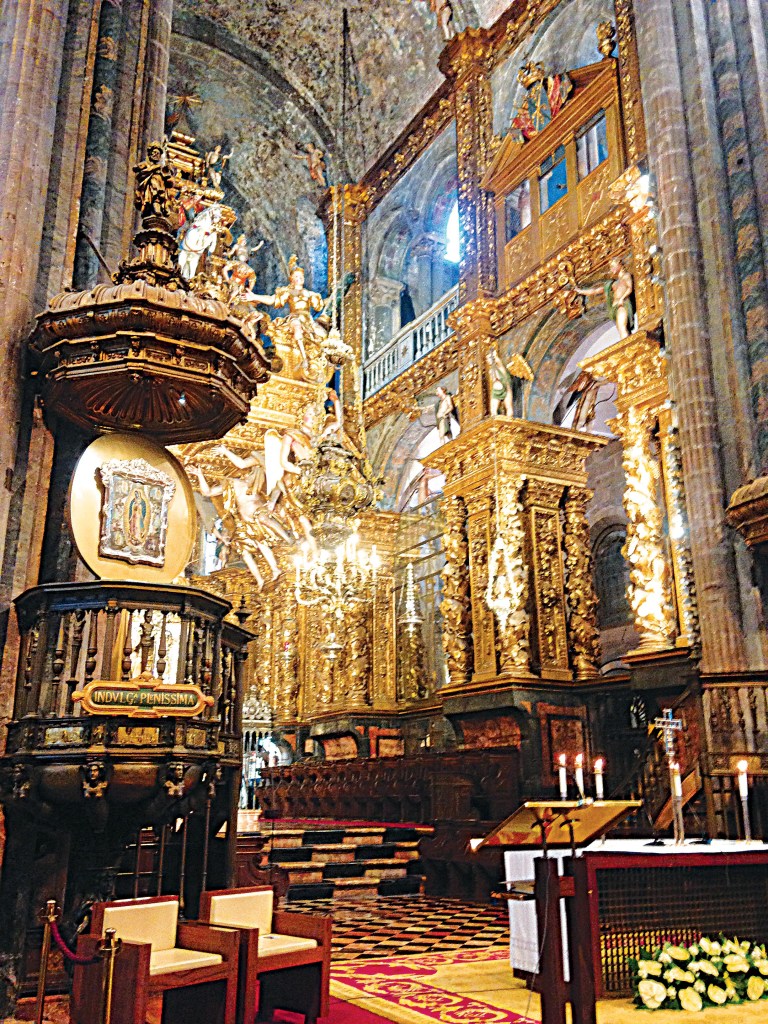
(618, 291)
(214, 165)
(245, 503)
(314, 157)
(444, 11)
(501, 384)
(445, 411)
(155, 193)
(301, 304)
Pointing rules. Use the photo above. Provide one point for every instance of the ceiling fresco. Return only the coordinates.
(264, 80)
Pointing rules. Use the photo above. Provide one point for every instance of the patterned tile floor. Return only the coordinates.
(408, 925)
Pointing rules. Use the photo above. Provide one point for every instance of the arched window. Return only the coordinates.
(611, 574)
(453, 236)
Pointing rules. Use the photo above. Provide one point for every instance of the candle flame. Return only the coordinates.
(742, 766)
(579, 760)
(561, 760)
(599, 764)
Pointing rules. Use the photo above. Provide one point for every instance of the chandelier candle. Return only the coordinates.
(563, 777)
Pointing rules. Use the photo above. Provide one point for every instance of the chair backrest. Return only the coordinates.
(151, 921)
(243, 910)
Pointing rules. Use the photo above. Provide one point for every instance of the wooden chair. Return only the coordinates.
(285, 958)
(192, 965)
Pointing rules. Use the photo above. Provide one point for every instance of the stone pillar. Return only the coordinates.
(688, 340)
(650, 586)
(583, 634)
(455, 606)
(31, 48)
(467, 61)
(98, 145)
(156, 71)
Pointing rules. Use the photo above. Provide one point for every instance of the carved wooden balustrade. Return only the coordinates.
(466, 784)
(74, 633)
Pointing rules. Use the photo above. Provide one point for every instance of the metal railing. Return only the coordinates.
(410, 344)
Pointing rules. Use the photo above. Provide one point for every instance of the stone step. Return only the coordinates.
(361, 887)
(385, 867)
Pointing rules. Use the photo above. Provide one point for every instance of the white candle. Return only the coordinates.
(743, 782)
(563, 778)
(677, 785)
(579, 775)
(599, 793)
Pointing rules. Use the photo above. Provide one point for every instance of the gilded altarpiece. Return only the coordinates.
(526, 484)
(661, 589)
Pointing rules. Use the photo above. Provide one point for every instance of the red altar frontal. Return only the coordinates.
(640, 895)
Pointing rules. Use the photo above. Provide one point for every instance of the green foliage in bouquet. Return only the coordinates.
(711, 972)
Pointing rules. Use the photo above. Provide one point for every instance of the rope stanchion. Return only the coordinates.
(49, 921)
(66, 952)
(108, 951)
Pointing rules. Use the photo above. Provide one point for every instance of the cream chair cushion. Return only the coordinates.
(272, 944)
(244, 910)
(144, 922)
(165, 961)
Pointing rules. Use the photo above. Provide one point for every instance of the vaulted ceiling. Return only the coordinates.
(267, 75)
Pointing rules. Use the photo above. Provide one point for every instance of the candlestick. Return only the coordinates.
(743, 782)
(598, 769)
(744, 794)
(578, 775)
(563, 778)
(677, 784)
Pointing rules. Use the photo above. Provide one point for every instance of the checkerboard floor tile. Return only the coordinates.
(404, 925)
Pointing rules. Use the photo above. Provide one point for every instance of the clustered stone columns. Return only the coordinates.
(31, 49)
(688, 338)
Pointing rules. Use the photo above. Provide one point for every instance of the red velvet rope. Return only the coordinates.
(67, 952)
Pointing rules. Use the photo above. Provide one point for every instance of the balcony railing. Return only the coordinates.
(410, 344)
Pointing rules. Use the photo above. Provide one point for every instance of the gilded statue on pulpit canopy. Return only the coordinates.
(299, 327)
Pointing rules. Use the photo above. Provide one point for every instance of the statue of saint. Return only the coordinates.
(155, 192)
(238, 273)
(301, 303)
(618, 291)
(501, 384)
(245, 503)
(445, 411)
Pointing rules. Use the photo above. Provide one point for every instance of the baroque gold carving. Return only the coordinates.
(583, 635)
(455, 606)
(629, 74)
(507, 589)
(650, 586)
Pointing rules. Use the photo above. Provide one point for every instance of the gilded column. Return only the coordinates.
(507, 589)
(479, 508)
(467, 61)
(472, 323)
(455, 607)
(542, 509)
(650, 587)
(583, 634)
(689, 342)
(31, 49)
(357, 668)
(287, 667)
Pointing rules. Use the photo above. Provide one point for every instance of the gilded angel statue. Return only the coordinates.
(302, 303)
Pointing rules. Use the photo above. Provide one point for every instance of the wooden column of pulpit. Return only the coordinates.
(551, 827)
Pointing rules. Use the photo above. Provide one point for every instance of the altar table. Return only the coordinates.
(642, 895)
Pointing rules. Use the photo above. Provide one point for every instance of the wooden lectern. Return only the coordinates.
(549, 824)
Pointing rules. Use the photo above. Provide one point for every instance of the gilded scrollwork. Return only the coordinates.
(583, 634)
(679, 531)
(650, 586)
(507, 586)
(357, 667)
(455, 607)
